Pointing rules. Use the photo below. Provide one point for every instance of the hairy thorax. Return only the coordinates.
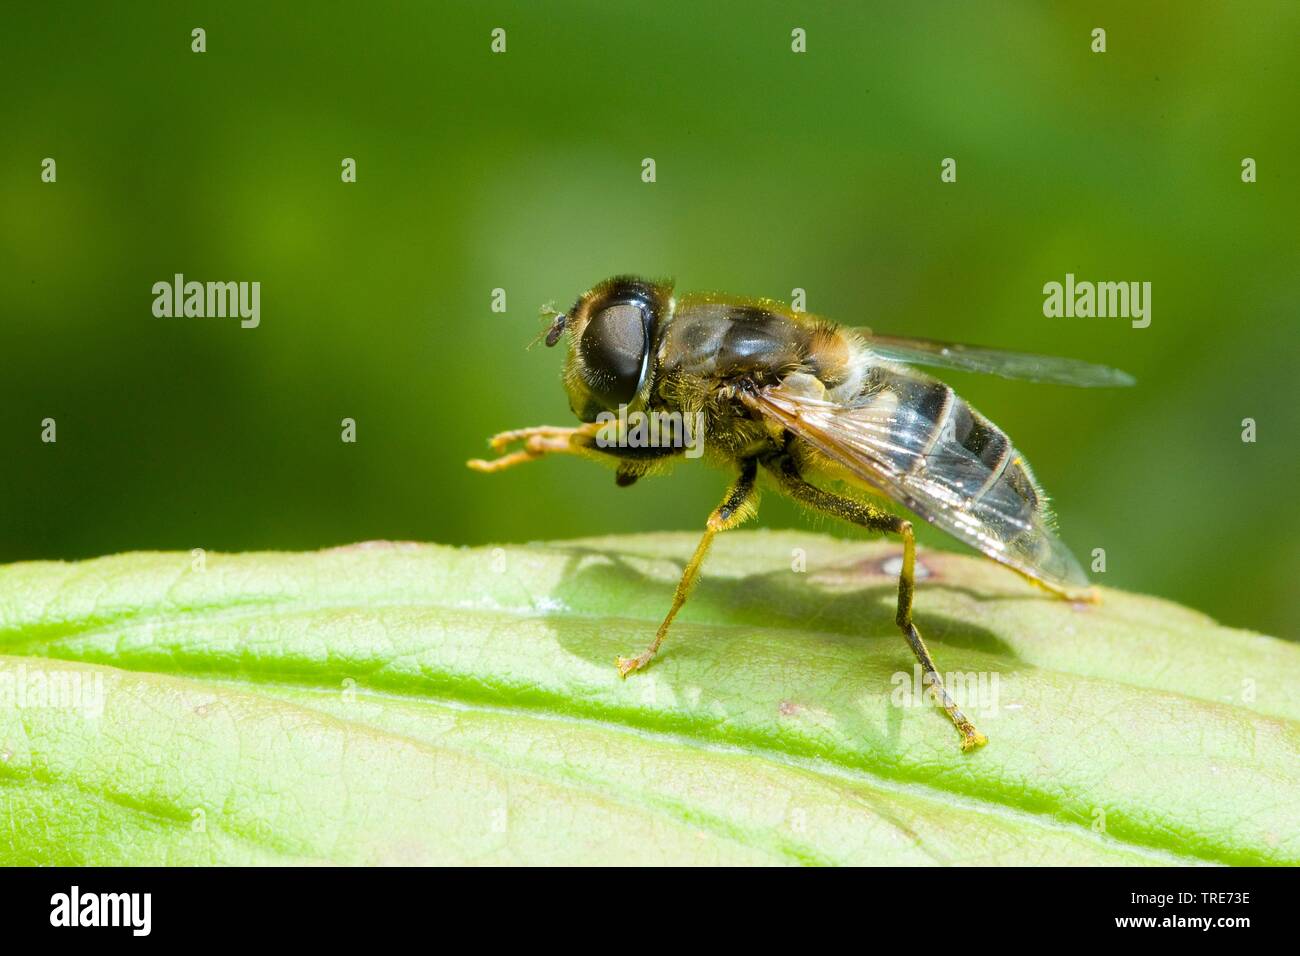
(713, 349)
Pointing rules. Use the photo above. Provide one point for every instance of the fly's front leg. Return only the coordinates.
(740, 504)
(874, 519)
(538, 441)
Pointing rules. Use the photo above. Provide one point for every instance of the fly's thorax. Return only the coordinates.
(759, 341)
(721, 339)
(614, 332)
(714, 344)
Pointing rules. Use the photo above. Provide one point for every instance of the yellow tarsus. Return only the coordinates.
(538, 441)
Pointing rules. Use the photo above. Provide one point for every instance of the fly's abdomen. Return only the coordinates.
(936, 434)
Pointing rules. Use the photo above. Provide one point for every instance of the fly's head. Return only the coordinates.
(613, 332)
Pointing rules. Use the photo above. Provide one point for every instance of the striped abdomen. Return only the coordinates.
(936, 433)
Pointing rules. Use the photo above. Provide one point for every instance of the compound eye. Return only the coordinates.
(615, 348)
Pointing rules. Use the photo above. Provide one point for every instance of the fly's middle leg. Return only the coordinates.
(874, 519)
(739, 505)
(970, 737)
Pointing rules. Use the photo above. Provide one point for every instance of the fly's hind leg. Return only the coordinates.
(739, 505)
(1085, 595)
(874, 519)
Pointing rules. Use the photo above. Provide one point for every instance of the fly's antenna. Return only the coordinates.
(556, 330)
(551, 334)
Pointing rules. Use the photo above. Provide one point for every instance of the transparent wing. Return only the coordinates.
(897, 452)
(973, 358)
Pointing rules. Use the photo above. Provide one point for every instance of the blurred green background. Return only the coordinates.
(522, 171)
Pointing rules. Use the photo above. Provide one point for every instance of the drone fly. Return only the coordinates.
(812, 404)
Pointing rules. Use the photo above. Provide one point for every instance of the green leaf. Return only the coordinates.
(393, 703)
